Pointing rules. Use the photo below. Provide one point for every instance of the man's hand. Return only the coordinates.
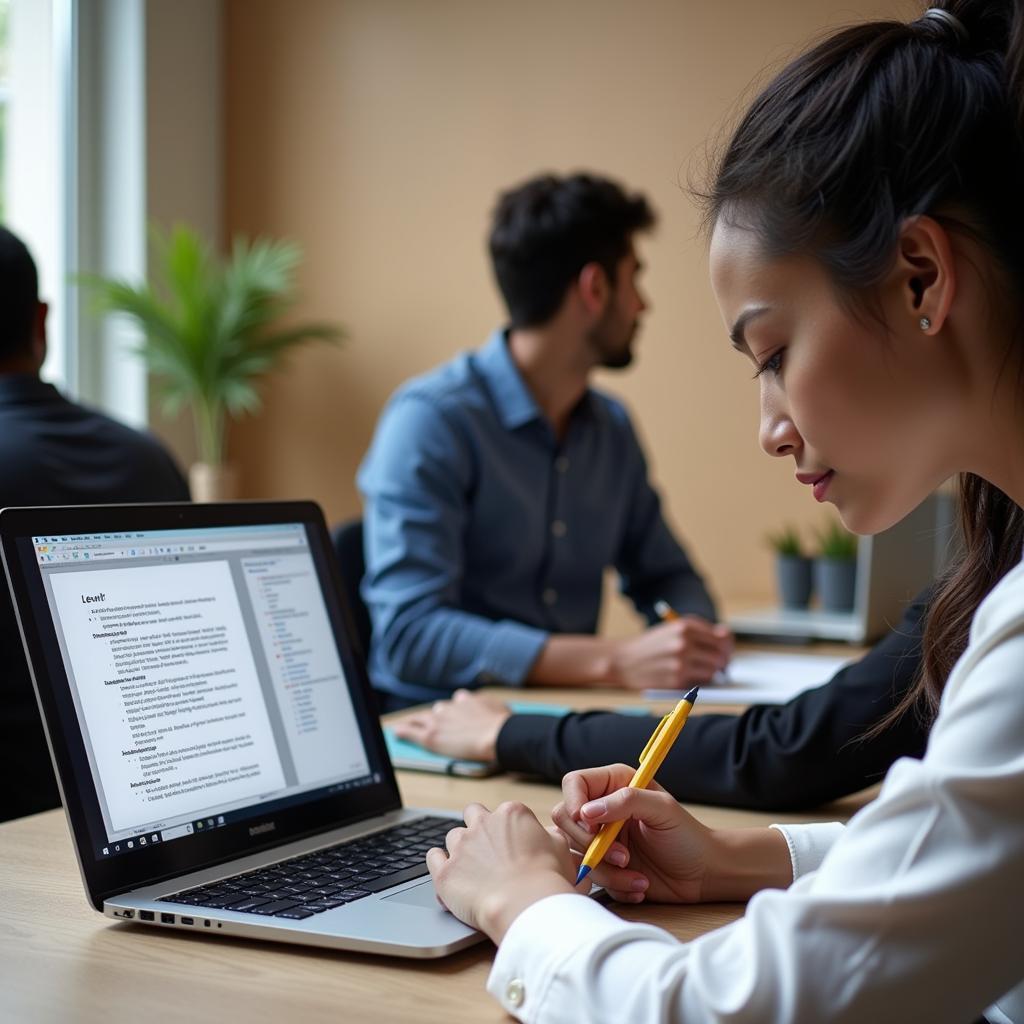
(671, 656)
(466, 726)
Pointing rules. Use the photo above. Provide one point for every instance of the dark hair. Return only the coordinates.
(19, 296)
(545, 231)
(877, 123)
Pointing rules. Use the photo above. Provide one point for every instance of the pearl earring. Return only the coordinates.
(924, 323)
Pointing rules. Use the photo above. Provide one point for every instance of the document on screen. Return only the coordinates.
(168, 688)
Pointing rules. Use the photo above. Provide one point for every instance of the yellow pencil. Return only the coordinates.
(651, 758)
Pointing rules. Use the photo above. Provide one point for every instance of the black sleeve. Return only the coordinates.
(779, 757)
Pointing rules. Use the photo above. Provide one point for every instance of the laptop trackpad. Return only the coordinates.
(422, 895)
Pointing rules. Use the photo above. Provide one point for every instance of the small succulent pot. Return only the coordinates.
(835, 580)
(793, 579)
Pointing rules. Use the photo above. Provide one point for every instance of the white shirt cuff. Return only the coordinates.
(526, 964)
(808, 844)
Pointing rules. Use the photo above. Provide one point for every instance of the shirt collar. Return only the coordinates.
(516, 406)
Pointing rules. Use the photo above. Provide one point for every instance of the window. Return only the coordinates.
(32, 152)
(5, 92)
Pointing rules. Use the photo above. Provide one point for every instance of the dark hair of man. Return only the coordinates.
(19, 296)
(544, 232)
(877, 123)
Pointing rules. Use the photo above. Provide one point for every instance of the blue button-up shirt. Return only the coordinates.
(484, 533)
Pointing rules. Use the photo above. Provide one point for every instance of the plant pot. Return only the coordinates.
(793, 580)
(835, 580)
(212, 483)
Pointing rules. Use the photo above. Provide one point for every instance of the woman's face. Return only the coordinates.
(863, 411)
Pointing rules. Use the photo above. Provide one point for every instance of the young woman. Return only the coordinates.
(867, 253)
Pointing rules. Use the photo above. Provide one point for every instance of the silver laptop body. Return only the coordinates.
(209, 715)
(406, 920)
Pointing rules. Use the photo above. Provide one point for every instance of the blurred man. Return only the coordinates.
(500, 486)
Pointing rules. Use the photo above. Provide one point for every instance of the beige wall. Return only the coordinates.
(377, 132)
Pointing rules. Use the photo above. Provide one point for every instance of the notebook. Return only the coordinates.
(212, 727)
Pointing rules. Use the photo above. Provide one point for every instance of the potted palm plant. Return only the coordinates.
(792, 568)
(209, 335)
(835, 568)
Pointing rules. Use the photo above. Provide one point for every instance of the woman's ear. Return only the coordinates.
(925, 273)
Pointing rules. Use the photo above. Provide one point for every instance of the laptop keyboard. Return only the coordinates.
(328, 878)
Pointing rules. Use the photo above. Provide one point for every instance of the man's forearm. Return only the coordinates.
(574, 661)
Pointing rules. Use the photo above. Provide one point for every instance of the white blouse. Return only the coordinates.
(914, 911)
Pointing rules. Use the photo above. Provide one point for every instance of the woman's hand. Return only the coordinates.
(498, 865)
(465, 726)
(661, 853)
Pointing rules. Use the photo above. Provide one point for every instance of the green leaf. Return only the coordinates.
(240, 396)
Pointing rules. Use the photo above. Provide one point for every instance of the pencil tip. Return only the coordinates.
(583, 872)
(691, 696)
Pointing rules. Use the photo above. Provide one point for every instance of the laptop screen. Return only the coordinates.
(205, 677)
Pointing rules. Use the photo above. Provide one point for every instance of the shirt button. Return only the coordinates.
(515, 993)
(561, 464)
(550, 596)
(558, 528)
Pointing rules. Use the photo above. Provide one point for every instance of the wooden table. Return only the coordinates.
(62, 961)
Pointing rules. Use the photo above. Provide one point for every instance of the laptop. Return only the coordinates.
(213, 729)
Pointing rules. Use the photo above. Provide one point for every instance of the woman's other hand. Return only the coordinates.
(498, 864)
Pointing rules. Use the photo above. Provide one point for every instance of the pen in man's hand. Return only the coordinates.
(667, 613)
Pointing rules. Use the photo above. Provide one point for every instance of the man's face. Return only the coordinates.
(611, 338)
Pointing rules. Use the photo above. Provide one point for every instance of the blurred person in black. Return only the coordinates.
(52, 452)
(818, 747)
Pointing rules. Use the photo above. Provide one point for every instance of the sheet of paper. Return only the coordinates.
(763, 679)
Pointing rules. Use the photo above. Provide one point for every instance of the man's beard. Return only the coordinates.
(610, 355)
